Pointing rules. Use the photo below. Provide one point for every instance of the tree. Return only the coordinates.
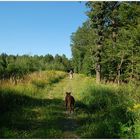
(110, 38)
(82, 43)
(97, 15)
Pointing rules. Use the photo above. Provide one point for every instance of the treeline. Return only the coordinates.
(108, 43)
(15, 67)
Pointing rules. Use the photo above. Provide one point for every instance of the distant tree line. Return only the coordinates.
(107, 45)
(15, 66)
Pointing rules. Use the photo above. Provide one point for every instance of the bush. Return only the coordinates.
(109, 113)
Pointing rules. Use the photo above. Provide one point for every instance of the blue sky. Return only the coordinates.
(39, 27)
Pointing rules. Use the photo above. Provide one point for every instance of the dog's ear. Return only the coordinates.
(67, 93)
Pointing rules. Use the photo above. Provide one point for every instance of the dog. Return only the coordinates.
(69, 102)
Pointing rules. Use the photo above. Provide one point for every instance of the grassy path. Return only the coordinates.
(37, 109)
(36, 112)
(69, 124)
(76, 85)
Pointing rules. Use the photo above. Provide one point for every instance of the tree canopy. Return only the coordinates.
(107, 45)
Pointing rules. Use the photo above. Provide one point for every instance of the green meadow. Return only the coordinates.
(35, 108)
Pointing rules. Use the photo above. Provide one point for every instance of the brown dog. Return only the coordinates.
(69, 101)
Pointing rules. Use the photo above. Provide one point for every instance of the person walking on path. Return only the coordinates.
(71, 74)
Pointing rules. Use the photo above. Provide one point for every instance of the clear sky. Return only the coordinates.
(39, 27)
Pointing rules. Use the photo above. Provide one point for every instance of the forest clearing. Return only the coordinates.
(35, 108)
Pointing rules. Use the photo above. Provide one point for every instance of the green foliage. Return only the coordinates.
(36, 110)
(15, 67)
(109, 113)
(26, 112)
(108, 42)
(82, 43)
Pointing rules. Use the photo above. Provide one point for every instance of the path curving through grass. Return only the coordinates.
(28, 111)
(37, 109)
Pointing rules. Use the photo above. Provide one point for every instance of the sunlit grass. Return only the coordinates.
(34, 108)
(107, 112)
(25, 113)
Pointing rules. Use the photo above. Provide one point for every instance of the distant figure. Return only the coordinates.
(69, 102)
(71, 74)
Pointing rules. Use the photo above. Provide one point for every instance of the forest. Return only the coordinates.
(108, 43)
(105, 84)
(15, 67)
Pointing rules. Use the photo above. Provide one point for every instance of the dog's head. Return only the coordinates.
(68, 93)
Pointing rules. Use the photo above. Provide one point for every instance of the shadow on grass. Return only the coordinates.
(102, 114)
(9, 100)
(26, 117)
(105, 114)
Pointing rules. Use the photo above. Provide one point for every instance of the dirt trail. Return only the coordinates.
(69, 124)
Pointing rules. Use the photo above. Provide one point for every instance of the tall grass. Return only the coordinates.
(35, 83)
(109, 112)
(101, 111)
(26, 111)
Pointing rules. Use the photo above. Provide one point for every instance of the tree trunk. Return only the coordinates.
(98, 73)
(119, 73)
(98, 65)
(119, 67)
